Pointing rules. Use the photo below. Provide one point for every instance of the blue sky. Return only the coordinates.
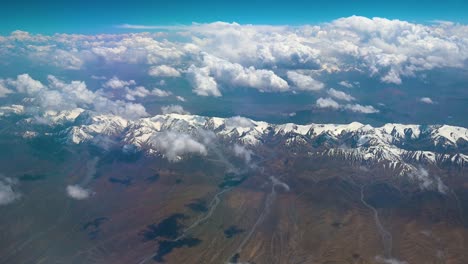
(91, 17)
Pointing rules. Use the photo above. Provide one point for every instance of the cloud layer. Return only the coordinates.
(267, 58)
(77, 192)
(7, 193)
(217, 58)
(174, 144)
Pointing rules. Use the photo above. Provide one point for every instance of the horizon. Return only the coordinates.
(89, 17)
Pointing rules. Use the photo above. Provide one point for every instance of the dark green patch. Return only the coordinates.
(168, 228)
(95, 223)
(48, 148)
(232, 180)
(166, 246)
(198, 206)
(232, 231)
(235, 258)
(93, 227)
(152, 178)
(382, 195)
(337, 224)
(125, 182)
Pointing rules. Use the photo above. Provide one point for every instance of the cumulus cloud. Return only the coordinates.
(242, 152)
(239, 121)
(25, 84)
(330, 103)
(340, 95)
(346, 84)
(304, 82)
(7, 193)
(138, 91)
(131, 93)
(74, 92)
(160, 93)
(387, 49)
(174, 145)
(234, 74)
(163, 71)
(116, 83)
(365, 109)
(176, 109)
(120, 108)
(203, 84)
(327, 103)
(65, 59)
(77, 192)
(392, 77)
(3, 90)
(60, 96)
(426, 100)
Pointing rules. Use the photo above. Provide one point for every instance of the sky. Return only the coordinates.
(315, 61)
(91, 17)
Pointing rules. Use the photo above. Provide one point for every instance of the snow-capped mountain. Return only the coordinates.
(395, 146)
(392, 143)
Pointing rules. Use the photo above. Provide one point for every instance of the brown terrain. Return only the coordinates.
(288, 208)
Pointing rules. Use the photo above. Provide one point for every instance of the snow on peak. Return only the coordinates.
(355, 141)
(451, 134)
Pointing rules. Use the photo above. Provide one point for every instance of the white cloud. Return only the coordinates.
(180, 98)
(423, 176)
(388, 49)
(97, 77)
(66, 60)
(7, 193)
(77, 192)
(163, 71)
(239, 121)
(131, 26)
(3, 90)
(234, 74)
(304, 82)
(392, 77)
(260, 46)
(427, 181)
(59, 96)
(203, 83)
(25, 84)
(120, 108)
(327, 103)
(365, 109)
(74, 92)
(116, 83)
(160, 93)
(177, 109)
(242, 152)
(138, 91)
(173, 145)
(346, 84)
(11, 109)
(330, 103)
(340, 95)
(426, 100)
